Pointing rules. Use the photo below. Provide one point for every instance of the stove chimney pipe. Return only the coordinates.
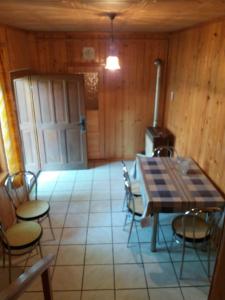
(158, 64)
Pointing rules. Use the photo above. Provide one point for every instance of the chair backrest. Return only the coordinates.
(129, 195)
(164, 151)
(18, 186)
(211, 217)
(126, 175)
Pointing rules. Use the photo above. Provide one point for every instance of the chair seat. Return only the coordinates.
(138, 205)
(193, 232)
(31, 210)
(135, 188)
(23, 234)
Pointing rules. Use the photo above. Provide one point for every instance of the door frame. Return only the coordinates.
(17, 75)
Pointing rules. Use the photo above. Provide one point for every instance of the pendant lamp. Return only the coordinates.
(112, 60)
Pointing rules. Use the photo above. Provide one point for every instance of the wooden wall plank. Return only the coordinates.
(125, 97)
(196, 115)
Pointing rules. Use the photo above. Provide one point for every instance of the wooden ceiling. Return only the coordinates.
(90, 15)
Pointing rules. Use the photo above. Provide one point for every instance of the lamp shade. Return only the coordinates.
(112, 63)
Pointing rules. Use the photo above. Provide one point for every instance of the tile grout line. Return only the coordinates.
(113, 260)
(85, 245)
(60, 238)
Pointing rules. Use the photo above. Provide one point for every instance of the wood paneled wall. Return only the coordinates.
(14, 56)
(196, 113)
(125, 97)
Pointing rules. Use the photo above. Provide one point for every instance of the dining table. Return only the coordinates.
(168, 188)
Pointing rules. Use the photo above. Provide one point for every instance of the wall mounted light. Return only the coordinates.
(112, 60)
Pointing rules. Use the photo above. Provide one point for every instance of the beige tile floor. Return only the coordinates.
(92, 260)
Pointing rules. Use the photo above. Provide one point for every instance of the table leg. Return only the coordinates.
(154, 231)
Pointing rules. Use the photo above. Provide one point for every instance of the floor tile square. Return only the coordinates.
(67, 295)
(99, 219)
(98, 277)
(118, 218)
(65, 176)
(141, 294)
(81, 195)
(117, 205)
(176, 253)
(59, 195)
(165, 293)
(98, 295)
(4, 275)
(76, 220)
(32, 295)
(100, 206)
(193, 274)
(82, 184)
(74, 236)
(129, 276)
(101, 184)
(58, 207)
(72, 280)
(160, 275)
(98, 254)
(79, 207)
(161, 255)
(101, 195)
(98, 235)
(120, 235)
(48, 239)
(117, 195)
(49, 249)
(125, 255)
(64, 186)
(71, 255)
(56, 219)
(195, 293)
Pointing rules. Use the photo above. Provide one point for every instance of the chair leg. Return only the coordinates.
(209, 257)
(131, 226)
(125, 221)
(182, 259)
(10, 267)
(124, 202)
(40, 250)
(3, 256)
(50, 223)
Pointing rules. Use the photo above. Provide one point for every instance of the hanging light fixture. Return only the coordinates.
(112, 60)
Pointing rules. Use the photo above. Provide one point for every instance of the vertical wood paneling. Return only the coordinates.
(196, 75)
(125, 97)
(14, 55)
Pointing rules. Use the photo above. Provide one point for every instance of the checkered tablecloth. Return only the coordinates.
(167, 189)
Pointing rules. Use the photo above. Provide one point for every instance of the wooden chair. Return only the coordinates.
(18, 187)
(19, 239)
(135, 207)
(197, 227)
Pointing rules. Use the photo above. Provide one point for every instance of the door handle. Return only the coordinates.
(82, 123)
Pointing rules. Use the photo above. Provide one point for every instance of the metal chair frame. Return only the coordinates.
(18, 188)
(10, 250)
(210, 217)
(131, 210)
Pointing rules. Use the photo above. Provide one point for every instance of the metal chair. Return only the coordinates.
(197, 227)
(135, 187)
(19, 239)
(134, 206)
(18, 187)
(164, 151)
